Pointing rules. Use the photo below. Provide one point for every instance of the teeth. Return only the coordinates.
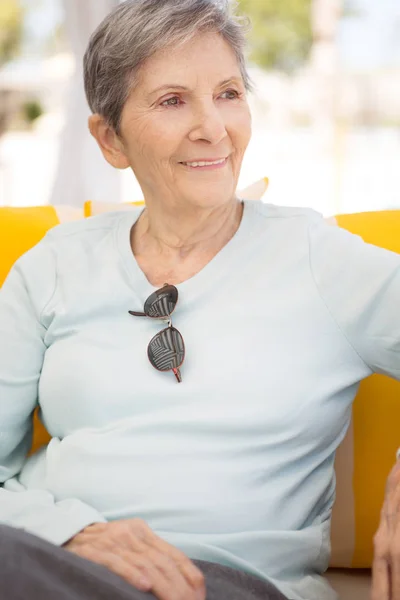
(205, 164)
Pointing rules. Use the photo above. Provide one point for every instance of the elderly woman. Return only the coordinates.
(195, 361)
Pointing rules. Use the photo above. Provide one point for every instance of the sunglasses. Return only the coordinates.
(166, 351)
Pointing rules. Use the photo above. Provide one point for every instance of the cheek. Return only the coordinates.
(163, 136)
(239, 129)
(150, 138)
(149, 149)
(240, 141)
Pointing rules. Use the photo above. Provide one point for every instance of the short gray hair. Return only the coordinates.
(136, 29)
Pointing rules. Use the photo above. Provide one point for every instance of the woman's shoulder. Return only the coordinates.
(72, 240)
(274, 211)
(90, 226)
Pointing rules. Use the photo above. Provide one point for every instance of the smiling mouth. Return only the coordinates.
(201, 165)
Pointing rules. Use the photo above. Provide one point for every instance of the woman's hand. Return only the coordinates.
(386, 565)
(133, 551)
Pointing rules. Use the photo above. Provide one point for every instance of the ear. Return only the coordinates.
(109, 142)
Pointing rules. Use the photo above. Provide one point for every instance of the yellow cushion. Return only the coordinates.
(20, 229)
(374, 437)
(255, 191)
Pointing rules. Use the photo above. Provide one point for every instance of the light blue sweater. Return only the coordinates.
(233, 465)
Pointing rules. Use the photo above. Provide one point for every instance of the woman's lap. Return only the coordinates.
(32, 568)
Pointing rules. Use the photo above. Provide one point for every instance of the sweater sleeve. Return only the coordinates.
(360, 285)
(27, 289)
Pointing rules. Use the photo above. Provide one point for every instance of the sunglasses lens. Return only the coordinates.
(166, 350)
(162, 302)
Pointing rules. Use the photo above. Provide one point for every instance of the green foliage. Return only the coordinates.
(11, 25)
(32, 110)
(282, 32)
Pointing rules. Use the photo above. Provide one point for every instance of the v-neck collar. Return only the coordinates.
(212, 268)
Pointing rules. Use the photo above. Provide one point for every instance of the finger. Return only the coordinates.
(394, 565)
(394, 581)
(392, 510)
(167, 581)
(390, 530)
(380, 580)
(393, 480)
(118, 565)
(189, 570)
(392, 496)
(380, 566)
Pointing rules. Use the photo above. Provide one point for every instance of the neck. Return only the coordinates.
(176, 235)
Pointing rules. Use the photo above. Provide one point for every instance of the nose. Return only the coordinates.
(208, 124)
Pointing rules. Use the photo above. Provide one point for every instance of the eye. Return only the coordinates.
(171, 101)
(234, 92)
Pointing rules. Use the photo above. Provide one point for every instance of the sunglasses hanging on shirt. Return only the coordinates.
(166, 350)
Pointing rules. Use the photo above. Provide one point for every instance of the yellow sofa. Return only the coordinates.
(368, 452)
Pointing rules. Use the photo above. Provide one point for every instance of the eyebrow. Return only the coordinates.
(169, 86)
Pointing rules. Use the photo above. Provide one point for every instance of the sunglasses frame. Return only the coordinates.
(148, 309)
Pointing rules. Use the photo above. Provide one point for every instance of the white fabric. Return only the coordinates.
(235, 464)
(82, 172)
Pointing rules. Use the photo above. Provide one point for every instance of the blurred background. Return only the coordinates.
(326, 108)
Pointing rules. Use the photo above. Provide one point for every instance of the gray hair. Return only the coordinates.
(136, 29)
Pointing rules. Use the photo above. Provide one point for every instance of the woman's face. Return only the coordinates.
(190, 106)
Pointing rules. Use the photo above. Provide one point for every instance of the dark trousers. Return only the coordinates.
(31, 568)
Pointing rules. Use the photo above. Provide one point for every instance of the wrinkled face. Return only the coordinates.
(190, 107)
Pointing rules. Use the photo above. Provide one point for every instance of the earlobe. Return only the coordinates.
(109, 142)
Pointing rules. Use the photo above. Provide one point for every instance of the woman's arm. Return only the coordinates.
(360, 286)
(25, 293)
(129, 548)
